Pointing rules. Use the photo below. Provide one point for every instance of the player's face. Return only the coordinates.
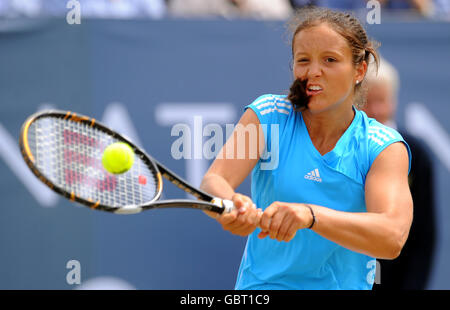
(323, 57)
(380, 101)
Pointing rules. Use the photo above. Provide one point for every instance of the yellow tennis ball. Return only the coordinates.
(118, 158)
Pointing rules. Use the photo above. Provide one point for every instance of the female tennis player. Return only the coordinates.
(339, 196)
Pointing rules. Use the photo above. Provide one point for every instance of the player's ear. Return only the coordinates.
(361, 70)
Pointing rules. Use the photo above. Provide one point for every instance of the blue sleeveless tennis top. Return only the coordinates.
(299, 173)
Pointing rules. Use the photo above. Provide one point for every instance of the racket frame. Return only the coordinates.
(207, 202)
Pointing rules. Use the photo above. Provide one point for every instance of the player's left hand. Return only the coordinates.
(281, 220)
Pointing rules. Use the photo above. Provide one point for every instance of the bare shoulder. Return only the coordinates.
(394, 157)
(249, 117)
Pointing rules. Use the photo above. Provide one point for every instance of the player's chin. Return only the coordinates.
(319, 105)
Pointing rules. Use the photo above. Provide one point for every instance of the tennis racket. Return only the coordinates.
(64, 150)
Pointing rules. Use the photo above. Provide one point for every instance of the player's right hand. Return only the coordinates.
(244, 219)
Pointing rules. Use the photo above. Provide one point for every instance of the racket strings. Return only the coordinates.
(69, 154)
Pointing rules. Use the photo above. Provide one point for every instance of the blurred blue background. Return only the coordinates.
(142, 77)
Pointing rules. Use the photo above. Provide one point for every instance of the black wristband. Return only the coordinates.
(313, 216)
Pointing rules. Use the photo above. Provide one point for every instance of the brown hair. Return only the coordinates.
(349, 27)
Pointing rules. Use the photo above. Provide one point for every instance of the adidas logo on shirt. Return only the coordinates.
(313, 175)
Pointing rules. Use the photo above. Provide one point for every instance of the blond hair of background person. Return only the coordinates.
(253, 9)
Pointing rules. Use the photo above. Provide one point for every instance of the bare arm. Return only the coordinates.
(380, 232)
(228, 171)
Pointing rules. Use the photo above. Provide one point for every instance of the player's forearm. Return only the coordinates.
(374, 234)
(216, 185)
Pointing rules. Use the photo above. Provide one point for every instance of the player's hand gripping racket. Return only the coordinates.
(64, 150)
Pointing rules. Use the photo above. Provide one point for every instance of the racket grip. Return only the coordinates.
(228, 206)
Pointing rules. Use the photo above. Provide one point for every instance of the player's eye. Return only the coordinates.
(330, 59)
(302, 60)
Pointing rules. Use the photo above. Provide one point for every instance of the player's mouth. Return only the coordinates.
(313, 89)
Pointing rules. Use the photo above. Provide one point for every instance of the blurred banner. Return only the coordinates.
(148, 79)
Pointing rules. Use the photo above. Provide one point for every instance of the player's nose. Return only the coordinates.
(313, 70)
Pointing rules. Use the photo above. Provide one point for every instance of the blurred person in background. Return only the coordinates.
(123, 8)
(427, 8)
(423, 7)
(89, 8)
(20, 8)
(412, 268)
(333, 4)
(255, 9)
(442, 9)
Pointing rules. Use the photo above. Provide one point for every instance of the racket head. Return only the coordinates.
(64, 151)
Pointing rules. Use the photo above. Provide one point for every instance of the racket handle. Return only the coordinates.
(225, 204)
(228, 206)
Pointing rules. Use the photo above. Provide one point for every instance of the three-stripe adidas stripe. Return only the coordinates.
(380, 135)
